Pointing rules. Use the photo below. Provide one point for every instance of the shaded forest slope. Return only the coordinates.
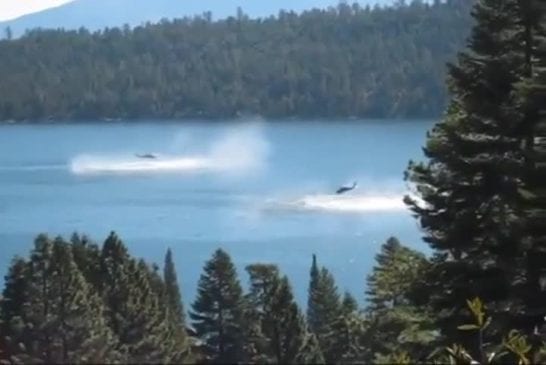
(347, 61)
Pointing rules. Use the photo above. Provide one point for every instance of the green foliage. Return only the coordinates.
(173, 291)
(137, 309)
(60, 319)
(532, 97)
(392, 279)
(217, 312)
(283, 337)
(87, 257)
(514, 349)
(175, 310)
(468, 195)
(396, 323)
(309, 352)
(344, 61)
(13, 297)
(346, 338)
(312, 295)
(323, 309)
(71, 303)
(348, 304)
(401, 358)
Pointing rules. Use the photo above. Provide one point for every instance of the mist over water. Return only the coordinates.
(265, 192)
(235, 152)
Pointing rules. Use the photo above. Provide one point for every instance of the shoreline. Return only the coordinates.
(332, 120)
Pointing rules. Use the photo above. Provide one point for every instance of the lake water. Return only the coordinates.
(262, 191)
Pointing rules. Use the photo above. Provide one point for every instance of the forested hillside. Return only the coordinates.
(347, 61)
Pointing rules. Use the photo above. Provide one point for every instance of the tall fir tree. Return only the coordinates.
(532, 96)
(173, 290)
(176, 344)
(396, 322)
(313, 317)
(349, 303)
(284, 338)
(12, 329)
(323, 308)
(87, 257)
(467, 198)
(135, 312)
(62, 317)
(395, 274)
(347, 335)
(217, 312)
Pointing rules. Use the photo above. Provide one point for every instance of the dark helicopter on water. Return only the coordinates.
(149, 156)
(345, 188)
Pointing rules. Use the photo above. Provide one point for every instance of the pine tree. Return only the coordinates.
(87, 257)
(173, 291)
(309, 352)
(394, 275)
(532, 95)
(217, 313)
(62, 316)
(176, 343)
(395, 322)
(348, 304)
(313, 317)
(467, 194)
(347, 336)
(114, 284)
(324, 308)
(284, 337)
(11, 305)
(135, 313)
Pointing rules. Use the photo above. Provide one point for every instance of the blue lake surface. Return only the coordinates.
(263, 191)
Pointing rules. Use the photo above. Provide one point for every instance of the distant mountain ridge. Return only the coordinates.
(98, 14)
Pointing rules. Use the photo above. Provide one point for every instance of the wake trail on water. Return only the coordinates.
(37, 167)
(334, 203)
(97, 164)
(236, 152)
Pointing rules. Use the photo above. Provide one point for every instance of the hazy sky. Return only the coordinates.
(10, 9)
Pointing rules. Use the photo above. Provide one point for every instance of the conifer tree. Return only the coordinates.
(87, 257)
(347, 336)
(532, 96)
(115, 283)
(173, 291)
(313, 317)
(217, 313)
(135, 313)
(11, 306)
(348, 304)
(284, 336)
(393, 277)
(309, 352)
(324, 308)
(395, 322)
(176, 343)
(62, 317)
(467, 194)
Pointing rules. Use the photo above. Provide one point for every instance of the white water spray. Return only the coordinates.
(240, 151)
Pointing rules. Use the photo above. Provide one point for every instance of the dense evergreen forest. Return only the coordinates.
(346, 61)
(480, 298)
(78, 302)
